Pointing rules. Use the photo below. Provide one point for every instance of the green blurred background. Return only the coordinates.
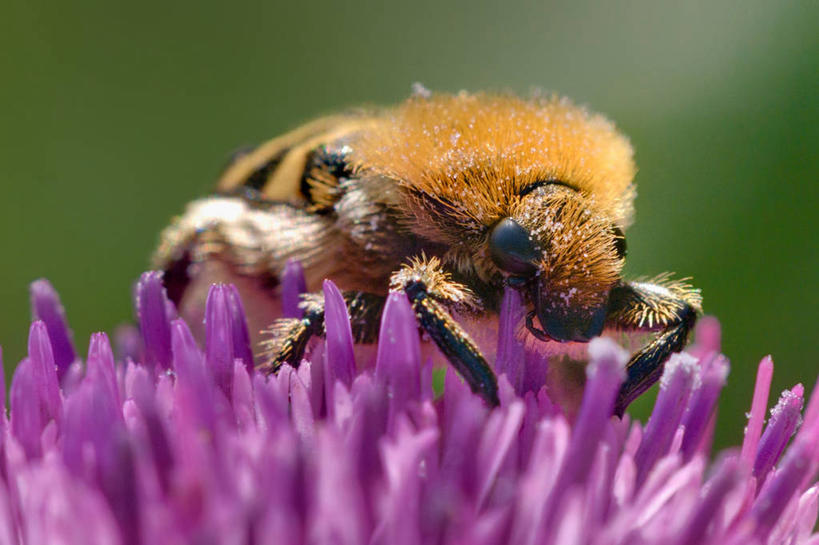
(114, 114)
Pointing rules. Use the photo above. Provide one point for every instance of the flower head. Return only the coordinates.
(173, 442)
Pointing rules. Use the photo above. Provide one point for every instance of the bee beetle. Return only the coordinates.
(452, 199)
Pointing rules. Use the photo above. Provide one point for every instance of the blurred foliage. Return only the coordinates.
(116, 114)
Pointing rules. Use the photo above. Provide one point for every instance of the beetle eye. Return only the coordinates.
(512, 248)
(619, 242)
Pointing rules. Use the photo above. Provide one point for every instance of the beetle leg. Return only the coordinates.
(430, 291)
(670, 307)
(288, 337)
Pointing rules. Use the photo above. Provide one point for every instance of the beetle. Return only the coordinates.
(451, 199)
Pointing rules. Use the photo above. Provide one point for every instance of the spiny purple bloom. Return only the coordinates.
(173, 442)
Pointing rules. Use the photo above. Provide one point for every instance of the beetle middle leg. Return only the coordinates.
(665, 306)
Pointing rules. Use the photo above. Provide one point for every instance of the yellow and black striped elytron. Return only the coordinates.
(451, 198)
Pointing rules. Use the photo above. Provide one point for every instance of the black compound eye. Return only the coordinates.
(619, 242)
(512, 248)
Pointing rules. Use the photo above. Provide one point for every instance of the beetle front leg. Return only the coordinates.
(666, 306)
(430, 290)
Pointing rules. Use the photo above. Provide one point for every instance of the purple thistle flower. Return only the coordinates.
(170, 442)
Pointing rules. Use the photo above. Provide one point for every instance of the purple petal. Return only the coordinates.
(335, 481)
(8, 526)
(536, 370)
(339, 340)
(242, 396)
(143, 394)
(46, 306)
(506, 392)
(271, 400)
(725, 477)
(806, 514)
(27, 418)
(301, 409)
(500, 434)
(463, 420)
(187, 358)
(367, 426)
(152, 309)
(784, 419)
(606, 372)
(100, 366)
(568, 526)
(45, 371)
(681, 375)
(757, 415)
(293, 286)
(219, 337)
(2, 391)
(401, 458)
(708, 337)
(511, 353)
(812, 410)
(90, 423)
(537, 482)
(241, 337)
(702, 404)
(398, 362)
(461, 408)
(196, 390)
(118, 483)
(59, 508)
(773, 499)
(127, 343)
(72, 378)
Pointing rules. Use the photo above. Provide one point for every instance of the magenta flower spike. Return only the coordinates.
(196, 391)
(238, 328)
(155, 435)
(702, 404)
(396, 364)
(784, 419)
(242, 402)
(753, 430)
(707, 337)
(681, 375)
(726, 476)
(27, 417)
(46, 306)
(510, 357)
(339, 344)
(219, 349)
(342, 451)
(44, 369)
(2, 394)
(293, 286)
(154, 323)
(127, 343)
(100, 365)
(774, 498)
(605, 373)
